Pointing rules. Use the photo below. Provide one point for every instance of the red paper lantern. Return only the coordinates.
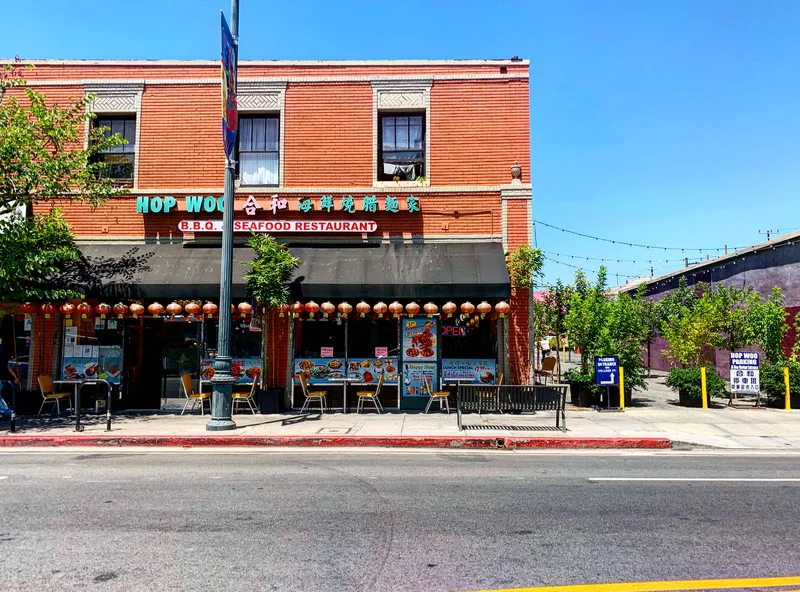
(449, 309)
(283, 309)
(137, 310)
(84, 309)
(47, 309)
(396, 309)
(327, 309)
(502, 309)
(67, 308)
(430, 309)
(362, 308)
(120, 309)
(484, 308)
(210, 309)
(102, 309)
(245, 308)
(312, 308)
(28, 308)
(193, 309)
(174, 308)
(155, 309)
(345, 308)
(297, 308)
(468, 308)
(380, 309)
(412, 308)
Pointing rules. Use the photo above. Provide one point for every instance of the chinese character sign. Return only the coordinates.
(230, 115)
(745, 373)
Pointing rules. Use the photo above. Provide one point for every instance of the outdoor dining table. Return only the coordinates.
(76, 384)
(345, 381)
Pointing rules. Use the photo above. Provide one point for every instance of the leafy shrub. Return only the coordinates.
(772, 380)
(688, 380)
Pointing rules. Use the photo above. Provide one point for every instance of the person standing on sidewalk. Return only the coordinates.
(545, 345)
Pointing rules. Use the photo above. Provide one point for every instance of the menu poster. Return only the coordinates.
(80, 368)
(469, 370)
(319, 370)
(420, 340)
(414, 374)
(244, 370)
(110, 363)
(369, 370)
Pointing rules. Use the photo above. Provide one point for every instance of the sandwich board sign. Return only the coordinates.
(606, 370)
(744, 373)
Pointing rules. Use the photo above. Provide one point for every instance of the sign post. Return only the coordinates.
(606, 372)
(223, 380)
(745, 374)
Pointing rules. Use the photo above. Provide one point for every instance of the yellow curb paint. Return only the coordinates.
(663, 586)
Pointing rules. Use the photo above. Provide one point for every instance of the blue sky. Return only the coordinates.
(672, 123)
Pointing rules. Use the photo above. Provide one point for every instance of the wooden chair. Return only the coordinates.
(193, 397)
(248, 397)
(547, 368)
(440, 396)
(49, 395)
(492, 393)
(371, 396)
(311, 395)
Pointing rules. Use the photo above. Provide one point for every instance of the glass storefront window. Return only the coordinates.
(245, 343)
(364, 335)
(464, 341)
(312, 336)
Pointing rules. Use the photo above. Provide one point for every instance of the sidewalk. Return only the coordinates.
(654, 420)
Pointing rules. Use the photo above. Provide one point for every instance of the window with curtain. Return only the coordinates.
(401, 146)
(119, 160)
(258, 150)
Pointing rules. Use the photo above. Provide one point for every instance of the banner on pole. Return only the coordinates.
(230, 113)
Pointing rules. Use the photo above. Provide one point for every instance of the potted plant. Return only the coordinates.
(773, 384)
(582, 390)
(687, 383)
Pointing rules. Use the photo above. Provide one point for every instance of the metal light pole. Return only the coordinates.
(222, 380)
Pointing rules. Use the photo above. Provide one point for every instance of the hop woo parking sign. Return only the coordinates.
(744, 373)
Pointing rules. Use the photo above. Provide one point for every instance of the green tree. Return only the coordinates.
(737, 310)
(651, 318)
(525, 270)
(42, 153)
(692, 325)
(32, 251)
(554, 309)
(588, 318)
(769, 326)
(268, 282)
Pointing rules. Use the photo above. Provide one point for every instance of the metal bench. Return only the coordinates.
(505, 397)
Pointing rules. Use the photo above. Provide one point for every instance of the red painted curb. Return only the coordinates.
(508, 443)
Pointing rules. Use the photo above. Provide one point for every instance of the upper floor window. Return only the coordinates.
(402, 146)
(258, 150)
(120, 159)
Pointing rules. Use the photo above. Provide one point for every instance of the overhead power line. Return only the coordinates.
(617, 242)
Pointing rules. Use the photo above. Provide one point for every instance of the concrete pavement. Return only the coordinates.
(390, 520)
(654, 414)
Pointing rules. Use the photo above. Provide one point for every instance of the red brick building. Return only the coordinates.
(392, 181)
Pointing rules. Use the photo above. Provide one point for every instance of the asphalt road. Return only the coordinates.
(371, 521)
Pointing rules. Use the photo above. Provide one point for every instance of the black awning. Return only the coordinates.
(385, 271)
(402, 271)
(154, 271)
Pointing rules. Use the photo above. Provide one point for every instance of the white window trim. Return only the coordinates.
(269, 98)
(401, 95)
(118, 98)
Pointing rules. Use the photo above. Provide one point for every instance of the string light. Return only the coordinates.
(651, 261)
(622, 275)
(616, 242)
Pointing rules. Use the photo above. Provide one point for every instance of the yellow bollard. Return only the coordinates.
(621, 388)
(563, 352)
(704, 393)
(786, 382)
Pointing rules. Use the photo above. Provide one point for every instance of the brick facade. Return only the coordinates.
(478, 114)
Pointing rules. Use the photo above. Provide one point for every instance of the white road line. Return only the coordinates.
(3, 477)
(701, 479)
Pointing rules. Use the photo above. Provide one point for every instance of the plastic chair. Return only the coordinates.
(193, 397)
(371, 396)
(49, 395)
(440, 396)
(248, 397)
(311, 395)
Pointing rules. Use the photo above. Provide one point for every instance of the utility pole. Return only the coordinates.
(768, 232)
(223, 380)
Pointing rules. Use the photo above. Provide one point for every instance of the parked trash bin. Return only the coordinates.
(269, 400)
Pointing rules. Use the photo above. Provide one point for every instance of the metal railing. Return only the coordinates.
(94, 382)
